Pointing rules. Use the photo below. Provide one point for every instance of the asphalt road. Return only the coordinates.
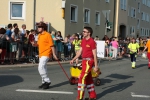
(119, 82)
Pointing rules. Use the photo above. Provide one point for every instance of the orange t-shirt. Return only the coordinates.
(148, 45)
(45, 42)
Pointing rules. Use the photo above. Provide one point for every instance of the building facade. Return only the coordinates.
(128, 17)
(69, 16)
(133, 18)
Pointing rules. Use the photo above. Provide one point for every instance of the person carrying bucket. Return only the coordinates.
(89, 59)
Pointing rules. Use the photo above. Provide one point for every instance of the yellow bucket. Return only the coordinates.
(75, 72)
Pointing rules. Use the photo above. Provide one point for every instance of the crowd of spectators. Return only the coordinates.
(16, 45)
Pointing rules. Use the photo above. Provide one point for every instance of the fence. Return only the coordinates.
(24, 52)
(16, 52)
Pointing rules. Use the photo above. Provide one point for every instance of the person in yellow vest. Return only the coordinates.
(77, 44)
(134, 48)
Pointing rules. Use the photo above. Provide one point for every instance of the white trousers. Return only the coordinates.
(43, 69)
(114, 52)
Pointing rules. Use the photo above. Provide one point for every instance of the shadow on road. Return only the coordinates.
(142, 65)
(60, 84)
(104, 81)
(115, 88)
(119, 76)
(6, 80)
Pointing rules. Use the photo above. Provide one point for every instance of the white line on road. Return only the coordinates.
(139, 96)
(42, 91)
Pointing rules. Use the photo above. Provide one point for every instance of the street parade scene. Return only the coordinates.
(74, 50)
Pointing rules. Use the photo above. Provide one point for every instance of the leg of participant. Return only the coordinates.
(82, 80)
(90, 86)
(43, 71)
(131, 56)
(148, 56)
(134, 60)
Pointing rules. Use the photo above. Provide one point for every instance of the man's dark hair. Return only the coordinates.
(15, 24)
(16, 30)
(43, 25)
(27, 31)
(9, 26)
(89, 29)
(32, 30)
(2, 31)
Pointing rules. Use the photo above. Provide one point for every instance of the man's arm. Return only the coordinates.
(53, 52)
(53, 49)
(95, 58)
(78, 54)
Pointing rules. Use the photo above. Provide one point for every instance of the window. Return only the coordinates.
(97, 18)
(128, 10)
(143, 15)
(148, 3)
(133, 12)
(123, 4)
(107, 1)
(87, 16)
(139, 7)
(132, 30)
(17, 10)
(144, 2)
(147, 17)
(141, 34)
(138, 23)
(73, 13)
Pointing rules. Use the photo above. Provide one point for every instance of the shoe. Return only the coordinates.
(148, 67)
(41, 86)
(78, 99)
(89, 99)
(46, 85)
(133, 65)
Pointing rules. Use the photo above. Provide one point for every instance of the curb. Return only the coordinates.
(30, 65)
(49, 63)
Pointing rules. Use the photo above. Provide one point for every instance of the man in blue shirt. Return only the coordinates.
(9, 32)
(9, 52)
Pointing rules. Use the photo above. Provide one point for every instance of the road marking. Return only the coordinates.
(42, 91)
(139, 96)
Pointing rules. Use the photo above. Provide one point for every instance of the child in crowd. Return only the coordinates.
(110, 50)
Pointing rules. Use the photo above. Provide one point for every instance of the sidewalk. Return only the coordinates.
(23, 65)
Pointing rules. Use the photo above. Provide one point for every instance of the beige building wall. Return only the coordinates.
(51, 11)
(47, 10)
(5, 13)
(93, 6)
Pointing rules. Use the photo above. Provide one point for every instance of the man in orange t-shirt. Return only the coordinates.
(148, 52)
(46, 49)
